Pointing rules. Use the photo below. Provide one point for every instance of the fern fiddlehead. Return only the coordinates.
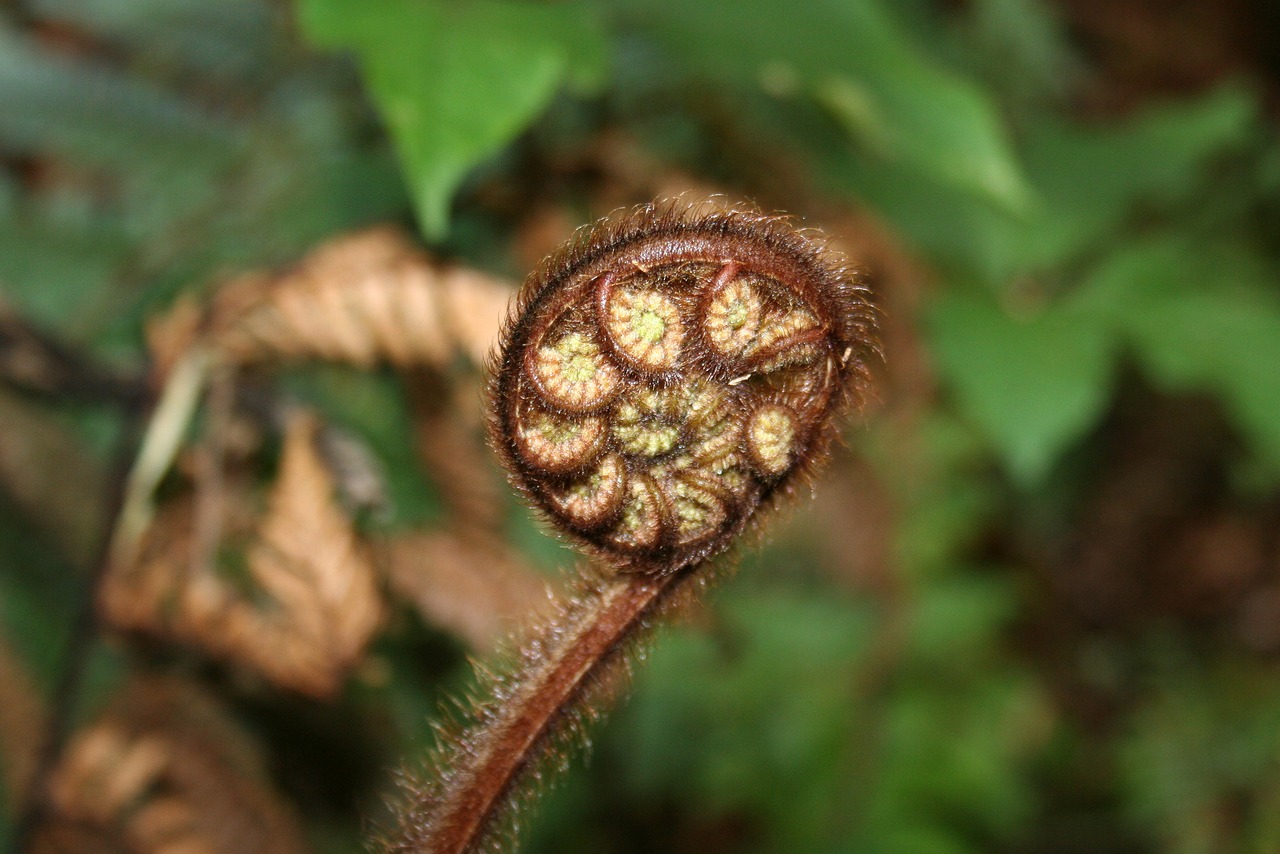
(666, 376)
(664, 379)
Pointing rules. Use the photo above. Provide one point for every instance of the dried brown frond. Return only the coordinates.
(167, 771)
(21, 716)
(309, 559)
(312, 600)
(363, 298)
(474, 590)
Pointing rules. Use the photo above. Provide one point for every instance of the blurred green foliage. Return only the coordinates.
(455, 82)
(1071, 259)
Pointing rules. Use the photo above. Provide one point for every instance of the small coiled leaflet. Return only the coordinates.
(671, 373)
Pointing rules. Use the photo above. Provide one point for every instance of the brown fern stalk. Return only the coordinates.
(662, 380)
(518, 735)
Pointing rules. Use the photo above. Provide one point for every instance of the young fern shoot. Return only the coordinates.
(663, 380)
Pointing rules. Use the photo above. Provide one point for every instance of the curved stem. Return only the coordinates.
(583, 649)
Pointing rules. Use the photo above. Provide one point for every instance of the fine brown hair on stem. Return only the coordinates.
(532, 718)
(663, 379)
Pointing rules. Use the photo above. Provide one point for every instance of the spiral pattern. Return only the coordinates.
(672, 372)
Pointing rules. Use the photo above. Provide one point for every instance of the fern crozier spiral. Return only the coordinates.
(671, 373)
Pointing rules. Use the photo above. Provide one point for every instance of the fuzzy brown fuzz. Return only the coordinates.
(564, 674)
(672, 371)
(667, 376)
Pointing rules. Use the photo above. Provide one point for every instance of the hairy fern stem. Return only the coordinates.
(662, 382)
(567, 669)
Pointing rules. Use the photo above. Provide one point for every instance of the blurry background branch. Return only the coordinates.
(35, 363)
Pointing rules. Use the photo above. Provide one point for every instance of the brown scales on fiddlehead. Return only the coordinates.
(667, 375)
(662, 380)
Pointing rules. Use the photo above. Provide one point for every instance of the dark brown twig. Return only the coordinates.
(80, 642)
(34, 362)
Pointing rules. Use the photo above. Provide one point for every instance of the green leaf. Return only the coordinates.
(1088, 182)
(1022, 49)
(1033, 384)
(54, 271)
(864, 67)
(899, 103)
(456, 81)
(1089, 179)
(1200, 318)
